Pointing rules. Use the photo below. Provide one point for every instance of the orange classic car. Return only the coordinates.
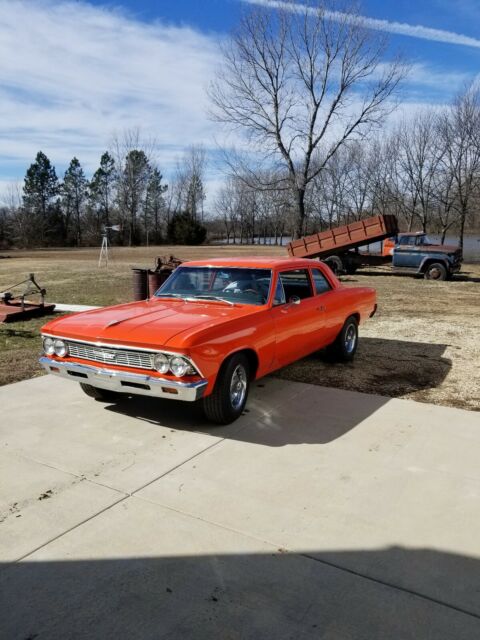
(211, 328)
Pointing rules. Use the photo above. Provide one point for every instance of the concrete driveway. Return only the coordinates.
(319, 514)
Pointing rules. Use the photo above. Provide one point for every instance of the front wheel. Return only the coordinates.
(345, 346)
(229, 396)
(436, 271)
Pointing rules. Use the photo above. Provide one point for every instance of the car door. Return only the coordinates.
(407, 253)
(327, 310)
(295, 315)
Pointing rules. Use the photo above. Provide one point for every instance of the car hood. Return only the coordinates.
(441, 248)
(431, 248)
(150, 323)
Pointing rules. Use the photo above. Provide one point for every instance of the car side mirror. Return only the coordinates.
(294, 300)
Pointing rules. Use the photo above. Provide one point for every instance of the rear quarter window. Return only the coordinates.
(320, 282)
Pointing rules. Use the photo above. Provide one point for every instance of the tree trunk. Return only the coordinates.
(462, 227)
(300, 221)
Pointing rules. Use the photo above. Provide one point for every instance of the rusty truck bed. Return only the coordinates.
(340, 239)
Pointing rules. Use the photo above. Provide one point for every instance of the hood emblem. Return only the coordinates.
(105, 355)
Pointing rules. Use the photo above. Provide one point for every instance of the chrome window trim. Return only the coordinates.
(126, 348)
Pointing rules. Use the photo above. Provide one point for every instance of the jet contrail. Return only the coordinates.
(398, 28)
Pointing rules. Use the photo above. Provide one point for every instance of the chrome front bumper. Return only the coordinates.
(125, 382)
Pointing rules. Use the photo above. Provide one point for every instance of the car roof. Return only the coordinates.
(254, 263)
(412, 233)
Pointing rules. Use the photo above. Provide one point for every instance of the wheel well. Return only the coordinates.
(252, 360)
(429, 261)
(356, 315)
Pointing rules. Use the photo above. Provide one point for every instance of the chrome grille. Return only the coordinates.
(126, 358)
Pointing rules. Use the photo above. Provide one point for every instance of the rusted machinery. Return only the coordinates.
(15, 307)
(147, 281)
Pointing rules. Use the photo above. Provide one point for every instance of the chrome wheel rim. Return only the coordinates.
(238, 386)
(350, 338)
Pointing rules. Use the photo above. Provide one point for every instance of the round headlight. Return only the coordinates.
(161, 363)
(60, 348)
(48, 346)
(179, 366)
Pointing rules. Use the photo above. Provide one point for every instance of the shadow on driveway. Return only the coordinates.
(246, 596)
(314, 415)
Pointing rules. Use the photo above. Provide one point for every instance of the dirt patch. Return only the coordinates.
(422, 344)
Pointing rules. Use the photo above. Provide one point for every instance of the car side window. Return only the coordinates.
(279, 296)
(321, 284)
(296, 283)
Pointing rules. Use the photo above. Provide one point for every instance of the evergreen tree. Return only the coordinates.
(74, 193)
(184, 229)
(102, 188)
(132, 186)
(39, 189)
(154, 204)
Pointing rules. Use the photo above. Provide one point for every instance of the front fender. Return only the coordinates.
(433, 258)
(210, 347)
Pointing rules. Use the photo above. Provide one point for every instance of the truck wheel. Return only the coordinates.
(104, 395)
(229, 396)
(335, 264)
(345, 345)
(436, 271)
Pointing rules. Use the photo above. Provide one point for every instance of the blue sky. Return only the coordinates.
(74, 73)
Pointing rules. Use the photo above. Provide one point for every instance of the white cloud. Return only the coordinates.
(72, 74)
(398, 28)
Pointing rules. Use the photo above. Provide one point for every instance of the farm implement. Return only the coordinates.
(15, 306)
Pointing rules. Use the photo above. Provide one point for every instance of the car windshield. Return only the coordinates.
(222, 284)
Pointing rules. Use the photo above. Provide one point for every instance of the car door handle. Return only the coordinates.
(321, 308)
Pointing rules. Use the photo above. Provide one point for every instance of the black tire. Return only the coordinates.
(219, 407)
(436, 271)
(335, 263)
(343, 349)
(103, 395)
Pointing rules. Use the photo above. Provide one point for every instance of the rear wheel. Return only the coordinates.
(436, 271)
(345, 346)
(335, 263)
(229, 396)
(104, 395)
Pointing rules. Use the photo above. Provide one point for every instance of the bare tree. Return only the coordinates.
(134, 157)
(299, 81)
(460, 130)
(226, 207)
(188, 190)
(419, 156)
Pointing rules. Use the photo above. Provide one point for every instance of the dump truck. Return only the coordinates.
(347, 248)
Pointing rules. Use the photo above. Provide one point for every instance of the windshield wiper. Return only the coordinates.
(206, 297)
(169, 295)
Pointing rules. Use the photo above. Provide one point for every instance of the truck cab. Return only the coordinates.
(416, 253)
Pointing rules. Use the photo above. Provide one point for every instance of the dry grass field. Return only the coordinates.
(423, 344)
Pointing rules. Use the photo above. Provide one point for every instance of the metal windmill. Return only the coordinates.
(105, 244)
